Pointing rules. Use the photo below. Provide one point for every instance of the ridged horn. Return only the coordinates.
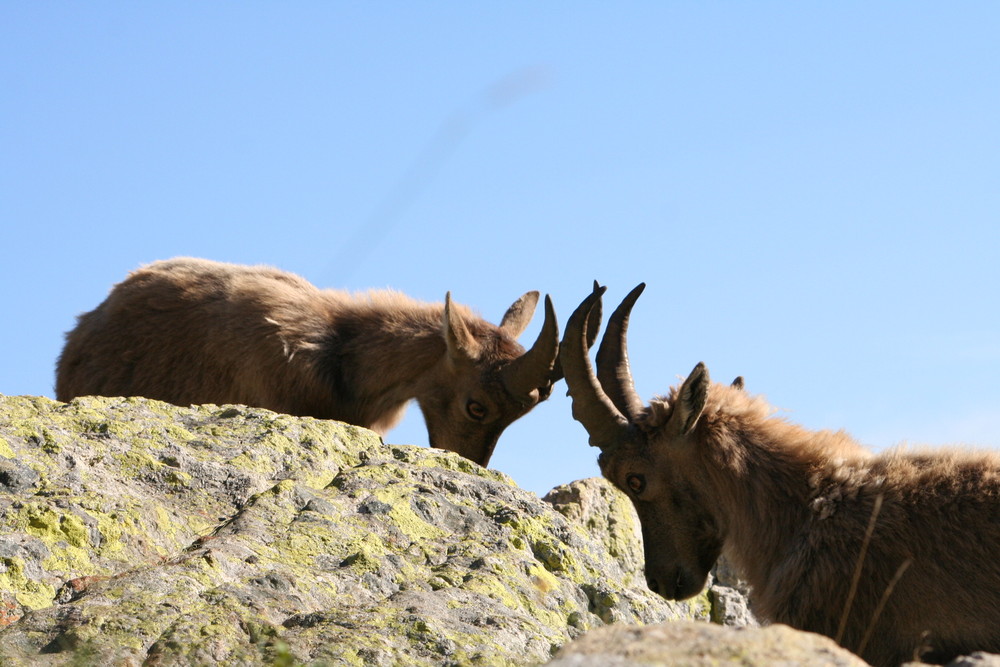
(591, 406)
(531, 370)
(593, 327)
(613, 371)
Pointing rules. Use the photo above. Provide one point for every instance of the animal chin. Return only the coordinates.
(688, 587)
(482, 459)
(680, 584)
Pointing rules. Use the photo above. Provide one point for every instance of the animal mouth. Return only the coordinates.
(685, 588)
(481, 458)
(679, 586)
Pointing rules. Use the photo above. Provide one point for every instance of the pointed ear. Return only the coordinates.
(690, 401)
(517, 317)
(461, 344)
(738, 383)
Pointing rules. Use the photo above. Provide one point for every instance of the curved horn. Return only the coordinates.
(531, 370)
(594, 319)
(613, 370)
(593, 326)
(591, 406)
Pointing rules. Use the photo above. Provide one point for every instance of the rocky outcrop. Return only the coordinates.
(135, 531)
(688, 644)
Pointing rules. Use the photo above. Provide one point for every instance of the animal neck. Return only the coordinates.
(377, 354)
(766, 476)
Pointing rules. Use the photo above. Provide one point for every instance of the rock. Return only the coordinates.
(690, 644)
(135, 531)
(730, 607)
(608, 515)
(15, 477)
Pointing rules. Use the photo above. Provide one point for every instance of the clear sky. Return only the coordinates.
(810, 190)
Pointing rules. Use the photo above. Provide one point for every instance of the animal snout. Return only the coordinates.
(676, 585)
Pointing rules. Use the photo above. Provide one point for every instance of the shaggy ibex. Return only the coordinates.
(195, 331)
(894, 555)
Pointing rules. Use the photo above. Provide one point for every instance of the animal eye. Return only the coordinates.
(475, 410)
(637, 483)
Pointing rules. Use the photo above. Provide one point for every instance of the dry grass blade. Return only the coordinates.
(857, 569)
(882, 602)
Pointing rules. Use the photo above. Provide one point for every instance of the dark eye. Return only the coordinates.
(636, 483)
(475, 410)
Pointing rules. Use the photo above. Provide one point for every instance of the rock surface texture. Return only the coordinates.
(133, 532)
(689, 644)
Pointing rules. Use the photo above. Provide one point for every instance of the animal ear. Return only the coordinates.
(690, 401)
(738, 383)
(517, 317)
(461, 344)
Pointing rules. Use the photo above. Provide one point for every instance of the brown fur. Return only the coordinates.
(195, 331)
(711, 470)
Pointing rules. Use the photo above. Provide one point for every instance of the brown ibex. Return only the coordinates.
(195, 331)
(893, 555)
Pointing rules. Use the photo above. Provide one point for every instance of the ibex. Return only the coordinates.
(893, 555)
(195, 331)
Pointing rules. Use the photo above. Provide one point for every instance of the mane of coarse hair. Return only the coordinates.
(400, 310)
(942, 469)
(395, 313)
(736, 423)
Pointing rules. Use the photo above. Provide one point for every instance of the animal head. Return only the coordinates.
(486, 379)
(652, 454)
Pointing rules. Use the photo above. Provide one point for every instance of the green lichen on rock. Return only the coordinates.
(133, 530)
(26, 590)
(108, 484)
(606, 513)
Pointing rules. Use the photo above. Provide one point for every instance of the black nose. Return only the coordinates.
(653, 584)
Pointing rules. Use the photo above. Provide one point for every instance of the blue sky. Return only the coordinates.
(810, 190)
